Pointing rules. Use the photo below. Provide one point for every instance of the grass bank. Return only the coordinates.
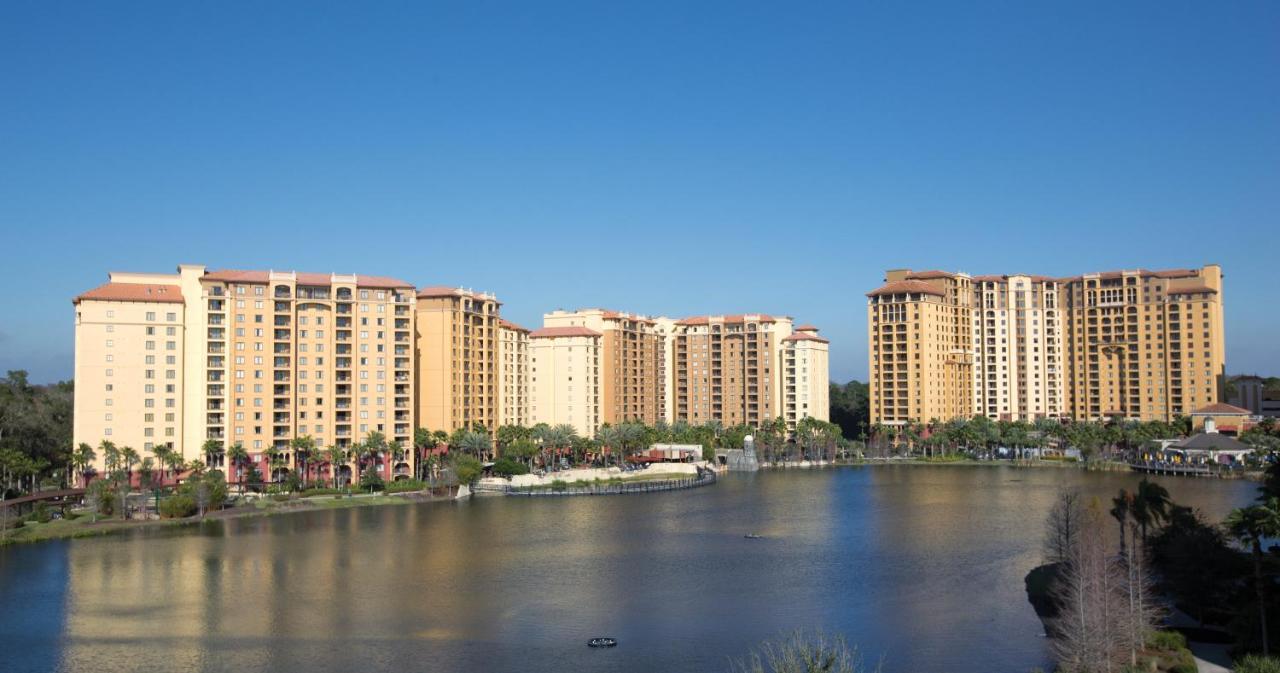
(80, 524)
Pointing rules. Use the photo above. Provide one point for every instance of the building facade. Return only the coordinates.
(457, 353)
(632, 387)
(728, 369)
(564, 377)
(513, 374)
(1138, 344)
(254, 358)
(806, 389)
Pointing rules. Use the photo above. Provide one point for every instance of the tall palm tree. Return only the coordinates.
(164, 457)
(211, 449)
(475, 443)
(110, 454)
(1121, 506)
(303, 447)
(1251, 525)
(82, 459)
(273, 462)
(238, 456)
(129, 457)
(1150, 505)
(337, 457)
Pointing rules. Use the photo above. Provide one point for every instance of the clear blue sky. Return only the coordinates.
(674, 158)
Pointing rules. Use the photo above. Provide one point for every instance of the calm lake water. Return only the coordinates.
(922, 566)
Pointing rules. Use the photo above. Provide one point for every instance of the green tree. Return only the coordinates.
(1250, 526)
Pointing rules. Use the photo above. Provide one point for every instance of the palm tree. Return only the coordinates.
(475, 443)
(273, 462)
(1122, 505)
(82, 460)
(337, 457)
(238, 457)
(211, 449)
(164, 457)
(1251, 525)
(130, 458)
(303, 447)
(110, 455)
(1150, 505)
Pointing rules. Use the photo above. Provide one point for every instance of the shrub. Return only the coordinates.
(320, 491)
(1166, 640)
(506, 467)
(102, 497)
(406, 486)
(292, 482)
(1256, 664)
(40, 513)
(281, 497)
(178, 506)
(371, 481)
(558, 485)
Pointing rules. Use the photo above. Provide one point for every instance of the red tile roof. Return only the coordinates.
(1195, 289)
(572, 331)
(510, 325)
(930, 275)
(806, 328)
(803, 336)
(303, 278)
(708, 319)
(437, 291)
(906, 287)
(1144, 273)
(1221, 408)
(153, 292)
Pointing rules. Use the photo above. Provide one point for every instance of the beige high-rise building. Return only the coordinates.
(1138, 344)
(1144, 344)
(565, 377)
(727, 368)
(1019, 362)
(806, 389)
(920, 340)
(256, 358)
(631, 362)
(513, 375)
(457, 351)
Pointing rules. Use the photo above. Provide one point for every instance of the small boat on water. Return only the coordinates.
(753, 536)
(602, 641)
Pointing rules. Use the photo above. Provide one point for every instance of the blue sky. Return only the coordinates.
(674, 158)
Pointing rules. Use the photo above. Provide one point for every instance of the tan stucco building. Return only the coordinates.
(632, 386)
(564, 377)
(249, 357)
(1136, 344)
(806, 390)
(457, 350)
(513, 374)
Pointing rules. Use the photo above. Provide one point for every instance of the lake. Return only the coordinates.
(920, 565)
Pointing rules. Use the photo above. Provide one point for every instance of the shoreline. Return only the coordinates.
(264, 506)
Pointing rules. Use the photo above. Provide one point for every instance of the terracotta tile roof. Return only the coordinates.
(503, 322)
(708, 319)
(437, 291)
(1223, 409)
(303, 278)
(806, 328)
(802, 336)
(906, 287)
(997, 278)
(168, 294)
(1143, 273)
(617, 315)
(930, 275)
(1194, 289)
(572, 331)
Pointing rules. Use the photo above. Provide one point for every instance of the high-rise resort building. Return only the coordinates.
(727, 368)
(262, 359)
(593, 366)
(255, 358)
(513, 374)
(806, 391)
(1138, 344)
(564, 377)
(457, 350)
(631, 368)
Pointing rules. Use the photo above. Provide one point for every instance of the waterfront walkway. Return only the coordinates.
(704, 477)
